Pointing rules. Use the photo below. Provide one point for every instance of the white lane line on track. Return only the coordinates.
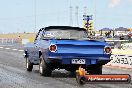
(14, 49)
(1, 47)
(7, 48)
(21, 50)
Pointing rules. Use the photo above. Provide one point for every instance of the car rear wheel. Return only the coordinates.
(44, 68)
(29, 65)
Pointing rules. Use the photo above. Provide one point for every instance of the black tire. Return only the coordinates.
(29, 65)
(81, 80)
(99, 70)
(95, 69)
(44, 68)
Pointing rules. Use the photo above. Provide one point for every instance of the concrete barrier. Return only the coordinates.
(9, 40)
(123, 61)
(121, 57)
(122, 51)
(16, 37)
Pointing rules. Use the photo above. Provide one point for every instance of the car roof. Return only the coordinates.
(63, 27)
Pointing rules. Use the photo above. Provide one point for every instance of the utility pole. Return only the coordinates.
(76, 13)
(35, 16)
(85, 10)
(95, 14)
(71, 20)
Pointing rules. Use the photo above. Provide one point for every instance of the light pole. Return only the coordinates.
(76, 13)
(35, 17)
(71, 20)
(95, 14)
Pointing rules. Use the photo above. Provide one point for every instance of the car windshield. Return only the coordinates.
(65, 34)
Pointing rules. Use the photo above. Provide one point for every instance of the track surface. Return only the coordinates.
(14, 75)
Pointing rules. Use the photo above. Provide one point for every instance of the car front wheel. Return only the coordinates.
(29, 65)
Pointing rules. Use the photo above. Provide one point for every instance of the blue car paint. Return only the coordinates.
(67, 49)
(79, 49)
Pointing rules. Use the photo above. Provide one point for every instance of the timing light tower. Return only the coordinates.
(88, 24)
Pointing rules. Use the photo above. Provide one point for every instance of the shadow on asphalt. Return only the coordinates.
(59, 74)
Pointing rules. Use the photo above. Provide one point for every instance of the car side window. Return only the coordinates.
(42, 34)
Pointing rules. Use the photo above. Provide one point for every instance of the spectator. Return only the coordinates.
(106, 34)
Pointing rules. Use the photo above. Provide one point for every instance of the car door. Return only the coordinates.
(36, 48)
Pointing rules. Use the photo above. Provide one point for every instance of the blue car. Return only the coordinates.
(66, 47)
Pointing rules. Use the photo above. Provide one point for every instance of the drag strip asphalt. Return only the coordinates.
(13, 73)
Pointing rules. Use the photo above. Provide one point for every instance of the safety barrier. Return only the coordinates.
(9, 40)
(122, 51)
(123, 61)
(15, 40)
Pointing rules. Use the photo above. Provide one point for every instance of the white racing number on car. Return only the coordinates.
(78, 61)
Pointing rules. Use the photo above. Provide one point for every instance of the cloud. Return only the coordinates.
(114, 3)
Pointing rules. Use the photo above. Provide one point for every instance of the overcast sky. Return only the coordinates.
(19, 15)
